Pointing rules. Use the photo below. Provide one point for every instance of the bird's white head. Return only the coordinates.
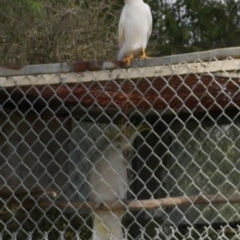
(122, 138)
(121, 143)
(132, 1)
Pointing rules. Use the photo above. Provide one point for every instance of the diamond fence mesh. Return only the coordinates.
(106, 152)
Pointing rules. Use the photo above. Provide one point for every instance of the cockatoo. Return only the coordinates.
(134, 30)
(108, 182)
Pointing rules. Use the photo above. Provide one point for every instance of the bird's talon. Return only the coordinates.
(144, 57)
(128, 60)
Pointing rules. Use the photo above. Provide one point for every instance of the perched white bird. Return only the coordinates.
(108, 181)
(134, 30)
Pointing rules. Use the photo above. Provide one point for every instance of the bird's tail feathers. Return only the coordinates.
(121, 55)
(107, 225)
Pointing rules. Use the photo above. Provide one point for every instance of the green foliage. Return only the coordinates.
(187, 26)
(42, 31)
(33, 6)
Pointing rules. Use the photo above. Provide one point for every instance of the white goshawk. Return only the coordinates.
(135, 28)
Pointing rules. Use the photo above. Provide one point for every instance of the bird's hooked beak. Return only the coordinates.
(128, 152)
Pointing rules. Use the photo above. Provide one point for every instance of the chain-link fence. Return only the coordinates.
(97, 150)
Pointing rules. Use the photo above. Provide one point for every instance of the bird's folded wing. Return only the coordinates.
(121, 27)
(150, 24)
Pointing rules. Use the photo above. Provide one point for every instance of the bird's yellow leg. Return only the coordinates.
(128, 59)
(143, 56)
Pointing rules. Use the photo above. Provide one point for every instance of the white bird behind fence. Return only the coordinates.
(134, 30)
(108, 180)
